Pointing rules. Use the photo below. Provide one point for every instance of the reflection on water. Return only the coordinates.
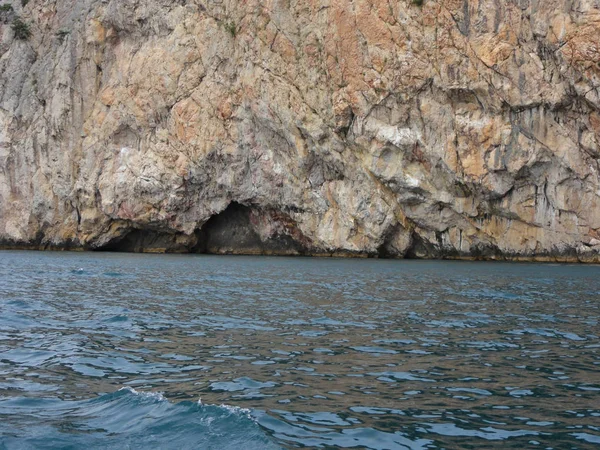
(347, 353)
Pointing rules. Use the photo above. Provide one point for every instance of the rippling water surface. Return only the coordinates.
(149, 351)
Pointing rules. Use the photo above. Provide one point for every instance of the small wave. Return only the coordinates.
(126, 419)
(118, 318)
(112, 274)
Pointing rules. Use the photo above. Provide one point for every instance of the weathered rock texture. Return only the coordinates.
(459, 128)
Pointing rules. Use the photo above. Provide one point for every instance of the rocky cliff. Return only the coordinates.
(447, 128)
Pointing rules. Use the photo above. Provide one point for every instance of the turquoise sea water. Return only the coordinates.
(157, 351)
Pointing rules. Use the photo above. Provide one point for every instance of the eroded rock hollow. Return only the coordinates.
(456, 128)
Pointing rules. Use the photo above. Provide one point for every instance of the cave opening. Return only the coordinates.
(237, 230)
(240, 229)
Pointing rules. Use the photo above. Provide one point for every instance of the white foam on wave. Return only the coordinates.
(229, 408)
(238, 411)
(152, 395)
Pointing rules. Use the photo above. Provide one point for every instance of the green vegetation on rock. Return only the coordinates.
(230, 26)
(21, 29)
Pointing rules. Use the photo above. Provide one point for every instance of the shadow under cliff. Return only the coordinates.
(250, 230)
(239, 230)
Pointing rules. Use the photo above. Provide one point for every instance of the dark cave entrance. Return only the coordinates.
(238, 230)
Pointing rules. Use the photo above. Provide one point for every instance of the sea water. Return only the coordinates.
(104, 350)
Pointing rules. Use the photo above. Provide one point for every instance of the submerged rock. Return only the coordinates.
(375, 128)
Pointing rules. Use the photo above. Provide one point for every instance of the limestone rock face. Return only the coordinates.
(459, 128)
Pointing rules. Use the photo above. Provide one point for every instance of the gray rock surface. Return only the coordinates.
(459, 128)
